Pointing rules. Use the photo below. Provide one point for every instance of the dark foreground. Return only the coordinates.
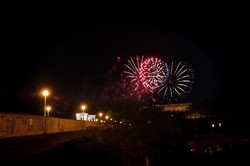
(109, 150)
(75, 152)
(162, 140)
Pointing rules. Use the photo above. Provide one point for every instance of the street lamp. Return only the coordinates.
(100, 114)
(48, 108)
(84, 116)
(45, 93)
(83, 107)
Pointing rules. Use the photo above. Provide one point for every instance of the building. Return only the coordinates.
(183, 107)
(85, 117)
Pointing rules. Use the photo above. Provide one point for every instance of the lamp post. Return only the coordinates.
(48, 108)
(45, 93)
(100, 117)
(83, 107)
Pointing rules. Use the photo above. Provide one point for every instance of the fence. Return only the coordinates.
(12, 125)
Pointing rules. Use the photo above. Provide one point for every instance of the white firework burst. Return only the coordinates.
(178, 83)
(131, 74)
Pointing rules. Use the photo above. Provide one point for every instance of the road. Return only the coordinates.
(15, 149)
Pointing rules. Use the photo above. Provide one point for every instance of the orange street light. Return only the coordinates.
(83, 107)
(48, 109)
(100, 114)
(45, 94)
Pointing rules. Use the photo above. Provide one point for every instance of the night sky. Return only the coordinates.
(77, 60)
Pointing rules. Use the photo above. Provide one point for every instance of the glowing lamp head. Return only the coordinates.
(45, 93)
(48, 108)
(83, 107)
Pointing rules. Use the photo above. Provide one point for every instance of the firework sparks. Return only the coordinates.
(152, 73)
(131, 74)
(145, 78)
(178, 83)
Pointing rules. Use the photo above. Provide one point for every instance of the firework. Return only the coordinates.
(147, 78)
(143, 76)
(152, 73)
(131, 74)
(178, 83)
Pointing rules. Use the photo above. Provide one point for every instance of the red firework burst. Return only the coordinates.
(152, 73)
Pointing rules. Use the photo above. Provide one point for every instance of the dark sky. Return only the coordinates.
(76, 59)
